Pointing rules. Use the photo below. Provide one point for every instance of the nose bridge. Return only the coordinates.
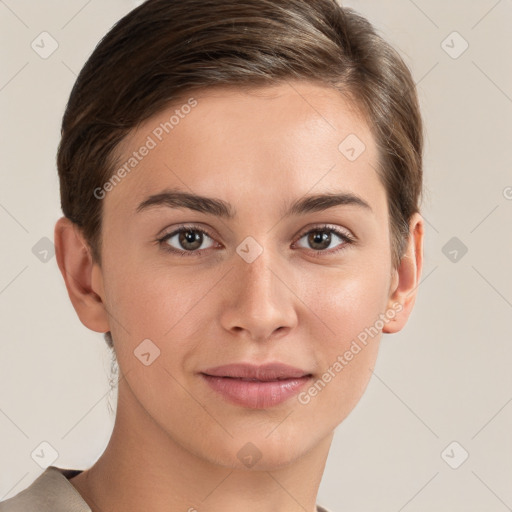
(259, 302)
(256, 278)
(258, 275)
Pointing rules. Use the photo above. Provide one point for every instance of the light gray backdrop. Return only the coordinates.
(433, 431)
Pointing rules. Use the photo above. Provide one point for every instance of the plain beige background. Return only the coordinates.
(442, 388)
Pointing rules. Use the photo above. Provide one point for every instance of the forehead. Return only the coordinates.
(259, 144)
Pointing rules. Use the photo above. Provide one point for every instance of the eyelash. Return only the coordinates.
(322, 229)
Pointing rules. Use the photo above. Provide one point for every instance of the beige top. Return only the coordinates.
(52, 492)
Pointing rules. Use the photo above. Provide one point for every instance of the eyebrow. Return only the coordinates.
(219, 208)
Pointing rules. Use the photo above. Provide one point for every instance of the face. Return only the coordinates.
(245, 277)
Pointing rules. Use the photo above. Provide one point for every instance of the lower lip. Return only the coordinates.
(256, 394)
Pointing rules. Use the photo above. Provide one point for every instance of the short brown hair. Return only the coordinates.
(166, 48)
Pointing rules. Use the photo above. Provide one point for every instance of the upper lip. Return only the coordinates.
(264, 372)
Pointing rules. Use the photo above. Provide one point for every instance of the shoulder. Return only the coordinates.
(49, 492)
(52, 492)
(319, 508)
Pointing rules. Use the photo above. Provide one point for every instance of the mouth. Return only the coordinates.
(256, 387)
(252, 380)
(265, 372)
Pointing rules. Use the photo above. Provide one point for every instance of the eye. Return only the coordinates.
(188, 238)
(320, 238)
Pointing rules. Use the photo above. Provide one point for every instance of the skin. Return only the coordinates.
(175, 441)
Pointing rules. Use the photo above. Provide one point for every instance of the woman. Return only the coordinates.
(240, 182)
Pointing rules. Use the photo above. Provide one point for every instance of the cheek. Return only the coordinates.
(156, 304)
(346, 302)
(351, 307)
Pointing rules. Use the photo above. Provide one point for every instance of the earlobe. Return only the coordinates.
(407, 277)
(77, 267)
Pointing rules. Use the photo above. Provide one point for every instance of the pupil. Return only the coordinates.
(321, 236)
(191, 237)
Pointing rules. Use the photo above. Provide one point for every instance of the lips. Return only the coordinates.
(256, 387)
(266, 372)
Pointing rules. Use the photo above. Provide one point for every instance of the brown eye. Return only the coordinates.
(188, 241)
(320, 239)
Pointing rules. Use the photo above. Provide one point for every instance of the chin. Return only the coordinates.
(265, 452)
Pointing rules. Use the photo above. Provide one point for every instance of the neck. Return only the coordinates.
(144, 468)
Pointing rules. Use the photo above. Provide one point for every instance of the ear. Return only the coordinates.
(406, 277)
(82, 276)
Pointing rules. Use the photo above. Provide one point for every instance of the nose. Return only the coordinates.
(260, 303)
